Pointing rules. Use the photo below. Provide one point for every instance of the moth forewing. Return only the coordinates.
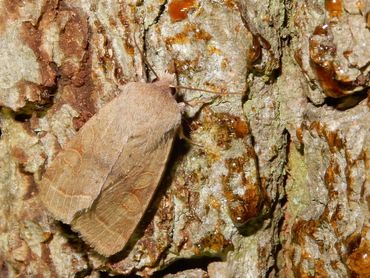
(120, 208)
(115, 162)
(74, 179)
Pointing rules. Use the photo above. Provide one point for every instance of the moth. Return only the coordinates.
(102, 182)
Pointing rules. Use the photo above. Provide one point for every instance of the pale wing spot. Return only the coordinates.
(144, 180)
(50, 175)
(125, 204)
(108, 214)
(72, 159)
(131, 204)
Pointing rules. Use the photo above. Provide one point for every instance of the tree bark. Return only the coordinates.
(275, 181)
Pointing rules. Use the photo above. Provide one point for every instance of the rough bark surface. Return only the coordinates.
(280, 184)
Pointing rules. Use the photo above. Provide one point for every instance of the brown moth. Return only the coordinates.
(103, 180)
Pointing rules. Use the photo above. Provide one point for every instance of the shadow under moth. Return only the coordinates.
(102, 182)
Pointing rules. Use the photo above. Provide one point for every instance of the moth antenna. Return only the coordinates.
(145, 59)
(222, 92)
(193, 103)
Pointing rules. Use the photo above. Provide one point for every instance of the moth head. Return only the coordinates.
(166, 83)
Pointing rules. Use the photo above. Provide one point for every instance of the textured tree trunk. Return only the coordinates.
(276, 180)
